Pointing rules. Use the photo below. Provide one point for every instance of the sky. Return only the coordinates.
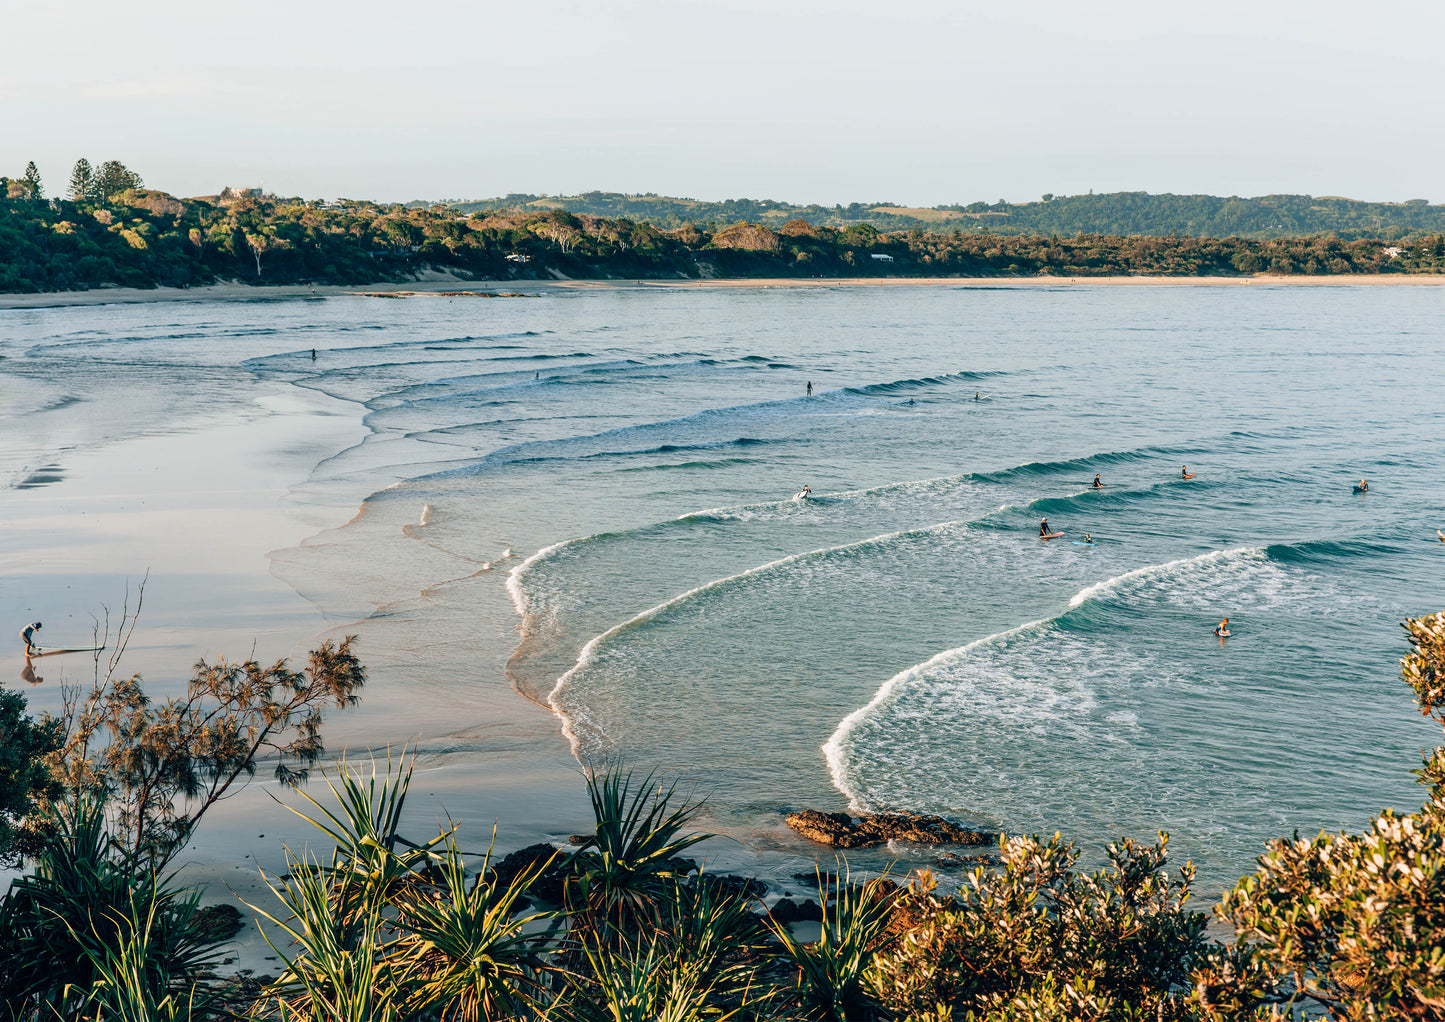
(918, 102)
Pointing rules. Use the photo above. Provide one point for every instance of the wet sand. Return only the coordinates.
(456, 287)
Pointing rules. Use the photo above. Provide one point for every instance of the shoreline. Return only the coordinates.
(456, 287)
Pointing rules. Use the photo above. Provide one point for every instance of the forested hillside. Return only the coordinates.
(112, 231)
(1122, 213)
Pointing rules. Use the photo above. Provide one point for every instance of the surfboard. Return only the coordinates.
(1188, 475)
(1080, 542)
(1223, 635)
(1361, 489)
(1052, 535)
(74, 649)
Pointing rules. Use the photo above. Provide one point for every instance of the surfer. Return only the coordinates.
(804, 493)
(1184, 471)
(1088, 540)
(910, 400)
(1441, 534)
(1097, 485)
(1044, 527)
(27, 635)
(1222, 629)
(313, 350)
(975, 395)
(1363, 487)
(810, 388)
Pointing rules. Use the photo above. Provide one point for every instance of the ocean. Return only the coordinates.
(587, 497)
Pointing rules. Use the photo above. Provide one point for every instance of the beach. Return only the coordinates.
(439, 284)
(561, 528)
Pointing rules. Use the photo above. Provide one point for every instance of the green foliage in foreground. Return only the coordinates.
(113, 232)
(1350, 927)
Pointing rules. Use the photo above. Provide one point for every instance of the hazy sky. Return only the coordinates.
(913, 101)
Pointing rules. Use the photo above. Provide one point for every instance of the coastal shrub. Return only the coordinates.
(1351, 925)
(158, 767)
(1037, 938)
(95, 932)
(619, 878)
(25, 779)
(390, 928)
(832, 970)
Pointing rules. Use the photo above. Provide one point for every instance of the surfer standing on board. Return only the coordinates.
(27, 635)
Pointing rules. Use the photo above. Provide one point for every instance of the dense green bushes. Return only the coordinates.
(140, 238)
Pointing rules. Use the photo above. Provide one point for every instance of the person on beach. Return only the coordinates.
(1097, 484)
(1044, 527)
(1222, 629)
(810, 388)
(27, 635)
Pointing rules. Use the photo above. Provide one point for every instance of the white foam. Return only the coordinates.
(589, 652)
(1153, 570)
(514, 577)
(834, 751)
(426, 515)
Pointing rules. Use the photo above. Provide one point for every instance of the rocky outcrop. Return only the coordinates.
(840, 830)
(786, 911)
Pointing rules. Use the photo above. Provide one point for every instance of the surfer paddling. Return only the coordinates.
(27, 635)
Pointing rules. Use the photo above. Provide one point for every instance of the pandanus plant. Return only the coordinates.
(831, 970)
(629, 865)
(392, 929)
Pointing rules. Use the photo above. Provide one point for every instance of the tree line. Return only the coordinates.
(1114, 213)
(110, 230)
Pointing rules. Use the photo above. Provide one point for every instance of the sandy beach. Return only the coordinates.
(449, 286)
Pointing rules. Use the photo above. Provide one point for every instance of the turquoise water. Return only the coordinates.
(614, 471)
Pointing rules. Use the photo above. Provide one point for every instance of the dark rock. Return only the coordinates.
(580, 839)
(541, 856)
(219, 923)
(788, 911)
(730, 884)
(836, 829)
(842, 831)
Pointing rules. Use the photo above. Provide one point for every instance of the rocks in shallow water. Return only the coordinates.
(843, 831)
(789, 911)
(728, 884)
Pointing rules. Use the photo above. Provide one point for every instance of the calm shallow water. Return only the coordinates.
(601, 481)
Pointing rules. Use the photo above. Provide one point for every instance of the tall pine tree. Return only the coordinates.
(32, 182)
(82, 180)
(114, 178)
